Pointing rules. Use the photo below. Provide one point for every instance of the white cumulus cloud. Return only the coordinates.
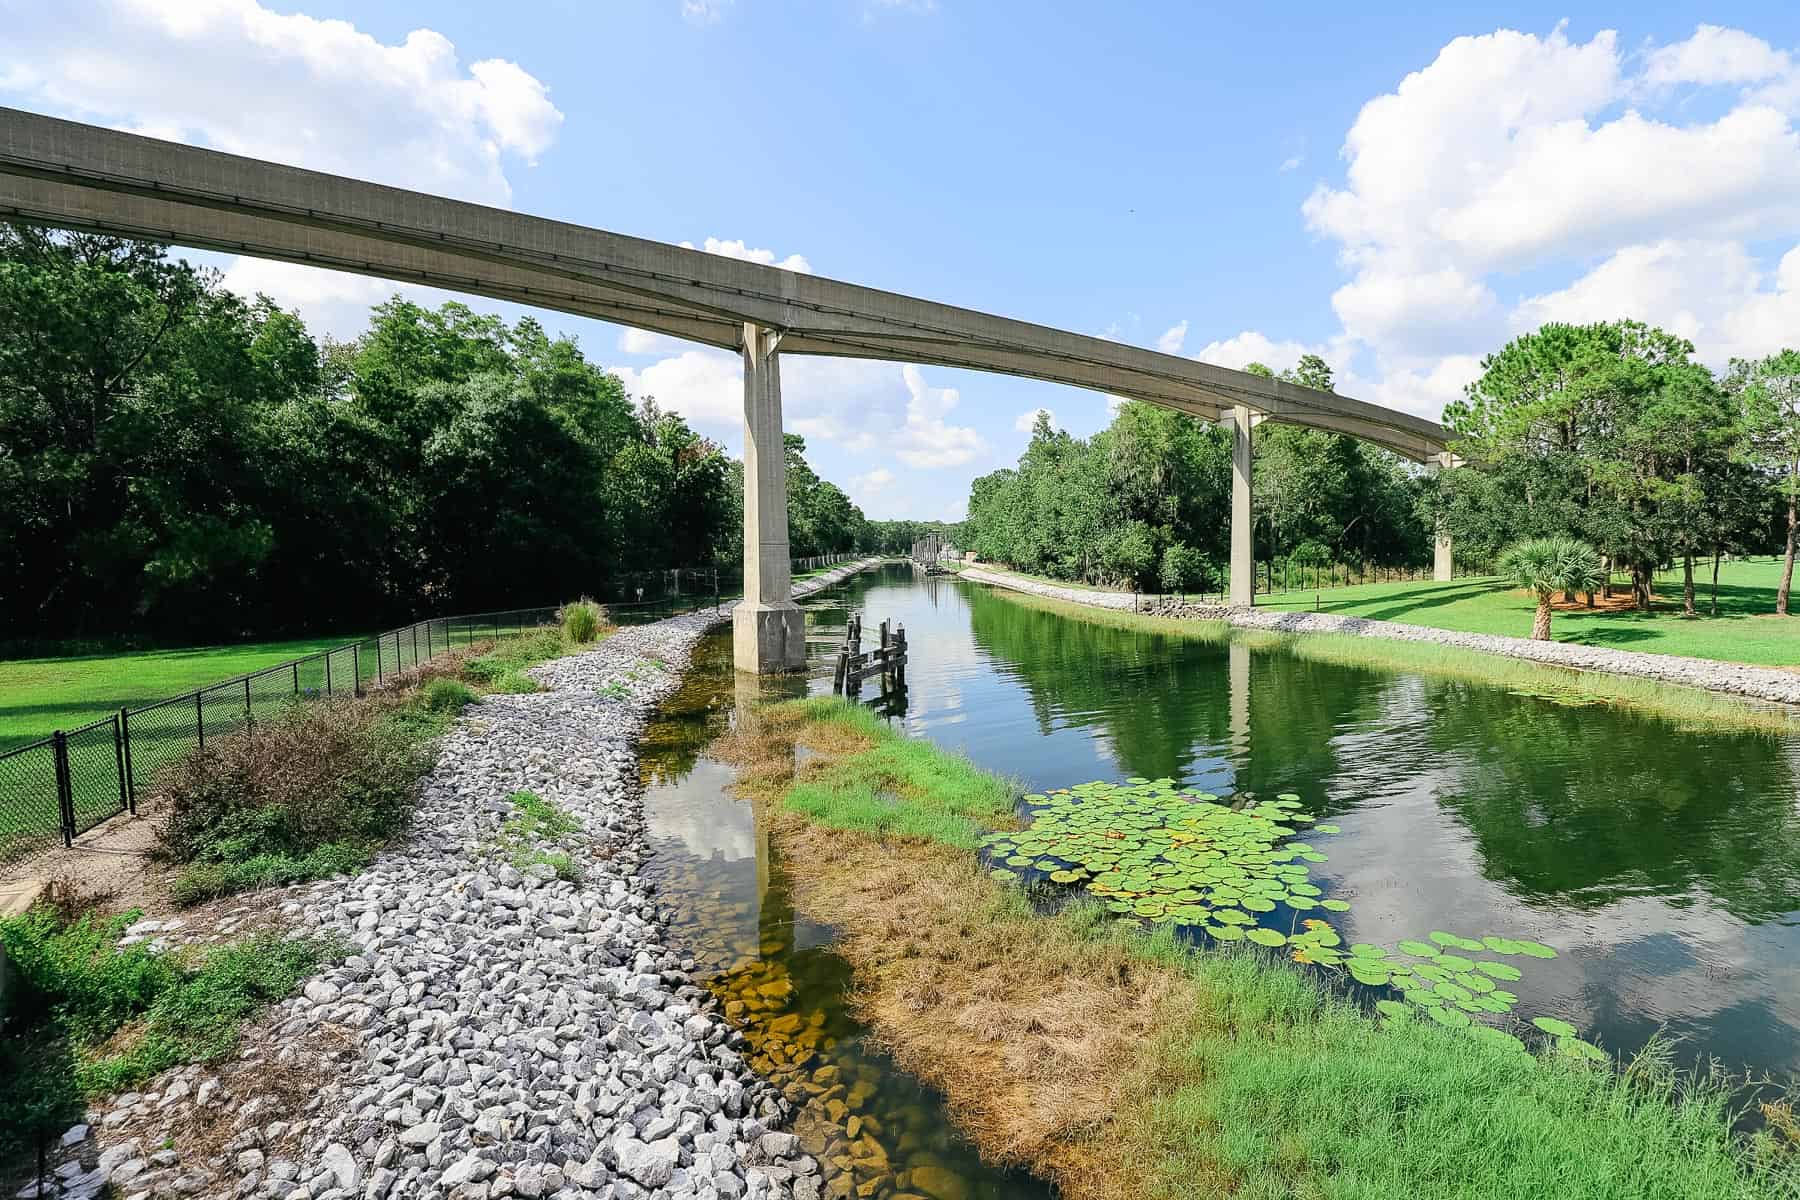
(1026, 421)
(1172, 338)
(738, 249)
(926, 439)
(236, 76)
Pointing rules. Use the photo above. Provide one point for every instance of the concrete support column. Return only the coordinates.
(1443, 561)
(1243, 548)
(768, 629)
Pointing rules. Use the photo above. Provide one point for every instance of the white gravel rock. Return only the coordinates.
(524, 1034)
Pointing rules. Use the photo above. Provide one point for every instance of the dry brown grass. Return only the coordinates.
(1033, 1031)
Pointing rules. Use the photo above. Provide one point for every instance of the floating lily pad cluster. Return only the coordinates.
(1450, 979)
(1150, 850)
(1456, 981)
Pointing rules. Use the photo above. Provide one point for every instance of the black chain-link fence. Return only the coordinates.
(58, 788)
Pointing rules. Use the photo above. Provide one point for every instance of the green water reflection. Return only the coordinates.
(1664, 862)
(875, 1130)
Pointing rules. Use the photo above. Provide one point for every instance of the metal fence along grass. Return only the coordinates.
(55, 789)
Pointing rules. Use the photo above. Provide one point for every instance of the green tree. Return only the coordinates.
(1770, 393)
(1543, 566)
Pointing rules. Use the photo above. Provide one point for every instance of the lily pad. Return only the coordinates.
(1535, 950)
(1394, 1009)
(1418, 949)
(1453, 1017)
(1555, 1027)
(1266, 937)
(1583, 1050)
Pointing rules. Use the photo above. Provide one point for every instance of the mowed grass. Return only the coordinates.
(1242, 1074)
(1746, 629)
(41, 695)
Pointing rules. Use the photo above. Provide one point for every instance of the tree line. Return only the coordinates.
(1609, 436)
(1146, 502)
(177, 461)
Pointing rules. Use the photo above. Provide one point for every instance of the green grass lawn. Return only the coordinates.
(41, 695)
(1746, 629)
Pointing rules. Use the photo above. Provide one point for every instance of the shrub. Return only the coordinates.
(79, 974)
(581, 621)
(197, 1019)
(76, 991)
(447, 695)
(341, 773)
(514, 683)
(511, 655)
(39, 1094)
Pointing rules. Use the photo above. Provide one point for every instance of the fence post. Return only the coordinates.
(378, 660)
(355, 670)
(249, 717)
(65, 794)
(200, 719)
(130, 776)
(119, 757)
(296, 679)
(328, 672)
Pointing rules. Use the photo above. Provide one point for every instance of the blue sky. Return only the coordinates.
(1398, 188)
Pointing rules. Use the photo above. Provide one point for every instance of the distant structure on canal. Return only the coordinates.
(931, 551)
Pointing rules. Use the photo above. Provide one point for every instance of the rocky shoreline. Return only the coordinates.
(1737, 679)
(497, 1028)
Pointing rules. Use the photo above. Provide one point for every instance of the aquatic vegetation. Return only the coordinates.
(1148, 849)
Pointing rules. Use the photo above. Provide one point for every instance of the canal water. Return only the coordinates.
(1663, 864)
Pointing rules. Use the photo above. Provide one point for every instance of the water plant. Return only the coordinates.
(1151, 851)
(1148, 849)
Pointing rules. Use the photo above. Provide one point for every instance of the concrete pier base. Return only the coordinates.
(1243, 548)
(768, 637)
(1443, 557)
(768, 630)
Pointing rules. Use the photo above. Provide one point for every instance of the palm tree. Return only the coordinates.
(1545, 565)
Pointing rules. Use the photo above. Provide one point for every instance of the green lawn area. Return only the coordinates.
(1746, 629)
(41, 695)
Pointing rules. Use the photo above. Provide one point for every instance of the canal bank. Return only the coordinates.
(1440, 806)
(1647, 673)
(1121, 1062)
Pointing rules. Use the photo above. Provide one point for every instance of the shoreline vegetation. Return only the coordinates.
(1687, 706)
(312, 794)
(1123, 1063)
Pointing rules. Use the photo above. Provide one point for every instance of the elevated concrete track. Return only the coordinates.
(68, 175)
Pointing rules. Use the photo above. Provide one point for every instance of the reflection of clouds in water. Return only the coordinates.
(692, 814)
(1408, 867)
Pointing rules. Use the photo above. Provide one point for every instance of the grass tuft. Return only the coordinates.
(581, 621)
